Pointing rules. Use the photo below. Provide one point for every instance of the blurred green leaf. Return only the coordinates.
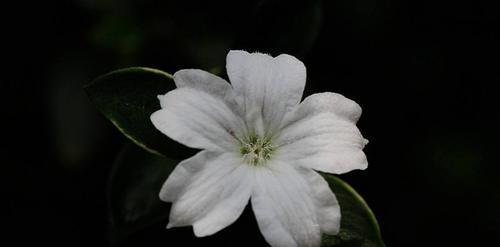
(134, 204)
(133, 188)
(118, 33)
(293, 31)
(128, 97)
(359, 227)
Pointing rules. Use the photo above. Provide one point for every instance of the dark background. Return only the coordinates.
(424, 72)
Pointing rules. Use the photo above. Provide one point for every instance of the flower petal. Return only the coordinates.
(265, 87)
(327, 206)
(198, 120)
(322, 134)
(205, 81)
(181, 175)
(284, 207)
(209, 191)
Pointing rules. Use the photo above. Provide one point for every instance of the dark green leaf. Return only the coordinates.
(134, 184)
(358, 228)
(128, 97)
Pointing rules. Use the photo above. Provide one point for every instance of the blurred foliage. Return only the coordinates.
(423, 71)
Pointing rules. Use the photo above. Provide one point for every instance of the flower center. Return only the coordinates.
(256, 150)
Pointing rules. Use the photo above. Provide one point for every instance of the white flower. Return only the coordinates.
(259, 144)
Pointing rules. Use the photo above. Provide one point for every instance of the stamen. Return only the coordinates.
(256, 150)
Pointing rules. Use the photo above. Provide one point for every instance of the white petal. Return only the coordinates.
(198, 120)
(209, 191)
(322, 134)
(327, 207)
(203, 80)
(181, 175)
(265, 87)
(284, 207)
(209, 83)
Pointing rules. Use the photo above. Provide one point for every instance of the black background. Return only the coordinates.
(424, 72)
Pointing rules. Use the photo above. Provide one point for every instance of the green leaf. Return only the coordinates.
(134, 204)
(133, 188)
(128, 97)
(359, 227)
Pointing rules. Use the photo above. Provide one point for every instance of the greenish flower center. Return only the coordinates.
(256, 150)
